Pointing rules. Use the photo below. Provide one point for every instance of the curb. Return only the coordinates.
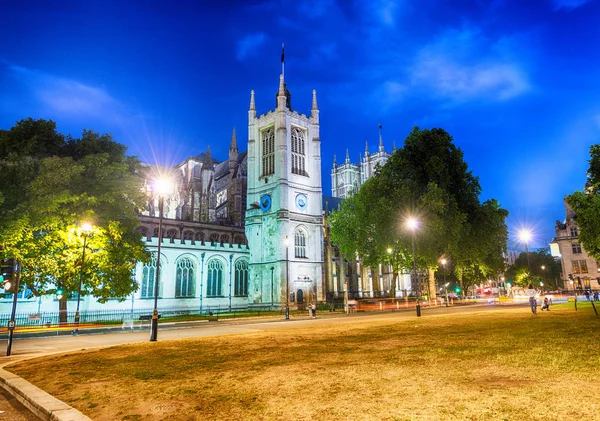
(41, 404)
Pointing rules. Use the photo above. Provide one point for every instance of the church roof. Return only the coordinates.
(202, 156)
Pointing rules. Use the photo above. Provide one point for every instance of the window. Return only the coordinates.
(298, 151)
(573, 231)
(149, 279)
(576, 248)
(300, 244)
(583, 266)
(215, 279)
(575, 266)
(268, 151)
(241, 279)
(185, 279)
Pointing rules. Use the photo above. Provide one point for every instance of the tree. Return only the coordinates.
(40, 225)
(586, 205)
(429, 179)
(544, 268)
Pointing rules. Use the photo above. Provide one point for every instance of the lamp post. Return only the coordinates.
(162, 187)
(287, 279)
(413, 224)
(543, 267)
(525, 236)
(444, 261)
(86, 229)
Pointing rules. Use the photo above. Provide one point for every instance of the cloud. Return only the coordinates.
(65, 96)
(249, 45)
(463, 66)
(569, 4)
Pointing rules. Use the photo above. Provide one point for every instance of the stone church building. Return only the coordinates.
(248, 231)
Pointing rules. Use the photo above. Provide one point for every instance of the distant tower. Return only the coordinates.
(284, 199)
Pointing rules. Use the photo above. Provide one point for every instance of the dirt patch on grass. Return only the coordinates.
(499, 365)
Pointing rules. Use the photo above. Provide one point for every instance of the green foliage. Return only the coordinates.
(427, 179)
(54, 185)
(586, 205)
(544, 268)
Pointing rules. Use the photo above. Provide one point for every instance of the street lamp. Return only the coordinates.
(162, 187)
(413, 224)
(86, 229)
(525, 237)
(444, 261)
(286, 241)
(543, 267)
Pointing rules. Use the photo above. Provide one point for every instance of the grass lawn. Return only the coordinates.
(500, 365)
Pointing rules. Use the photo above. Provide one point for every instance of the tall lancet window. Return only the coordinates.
(298, 151)
(268, 151)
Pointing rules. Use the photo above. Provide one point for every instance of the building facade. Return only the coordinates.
(579, 271)
(284, 218)
(347, 178)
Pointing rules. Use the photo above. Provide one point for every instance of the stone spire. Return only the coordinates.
(233, 150)
(393, 146)
(380, 139)
(366, 148)
(208, 162)
(252, 110)
(347, 156)
(334, 161)
(315, 110)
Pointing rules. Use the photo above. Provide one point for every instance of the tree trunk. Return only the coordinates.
(394, 281)
(62, 309)
(461, 283)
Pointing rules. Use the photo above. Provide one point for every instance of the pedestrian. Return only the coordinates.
(587, 294)
(314, 311)
(531, 293)
(546, 304)
(596, 296)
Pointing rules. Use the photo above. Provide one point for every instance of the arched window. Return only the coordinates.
(149, 278)
(298, 151)
(185, 279)
(268, 151)
(215, 279)
(300, 244)
(241, 279)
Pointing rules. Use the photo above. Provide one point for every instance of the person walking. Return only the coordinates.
(531, 293)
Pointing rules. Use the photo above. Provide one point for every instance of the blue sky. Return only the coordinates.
(514, 82)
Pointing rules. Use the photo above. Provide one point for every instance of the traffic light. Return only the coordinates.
(7, 275)
(59, 293)
(457, 290)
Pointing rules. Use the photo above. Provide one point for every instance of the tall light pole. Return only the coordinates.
(162, 187)
(543, 267)
(444, 261)
(86, 229)
(413, 224)
(287, 279)
(525, 237)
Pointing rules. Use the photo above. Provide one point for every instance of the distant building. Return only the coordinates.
(579, 271)
(510, 256)
(348, 177)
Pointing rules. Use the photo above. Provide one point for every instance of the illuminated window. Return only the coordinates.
(576, 247)
(300, 244)
(583, 265)
(241, 279)
(215, 279)
(575, 266)
(268, 151)
(149, 279)
(185, 279)
(298, 151)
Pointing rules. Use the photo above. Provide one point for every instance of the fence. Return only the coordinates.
(47, 319)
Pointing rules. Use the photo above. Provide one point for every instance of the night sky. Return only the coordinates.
(515, 83)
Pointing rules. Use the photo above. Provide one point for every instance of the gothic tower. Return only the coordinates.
(284, 199)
